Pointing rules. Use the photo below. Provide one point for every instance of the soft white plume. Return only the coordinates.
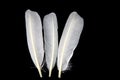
(35, 38)
(51, 40)
(69, 40)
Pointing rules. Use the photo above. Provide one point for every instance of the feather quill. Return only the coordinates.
(51, 40)
(69, 40)
(35, 38)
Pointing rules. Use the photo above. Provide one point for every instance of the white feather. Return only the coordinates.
(51, 40)
(35, 38)
(69, 40)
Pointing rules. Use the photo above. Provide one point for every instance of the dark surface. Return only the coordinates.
(87, 61)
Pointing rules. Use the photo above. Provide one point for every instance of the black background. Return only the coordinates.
(88, 61)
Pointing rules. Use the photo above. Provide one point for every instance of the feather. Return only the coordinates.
(35, 38)
(69, 40)
(51, 40)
